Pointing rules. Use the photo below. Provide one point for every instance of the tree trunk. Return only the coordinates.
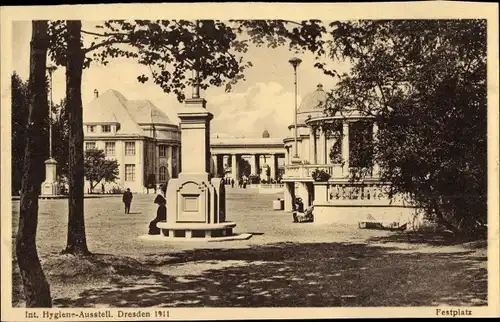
(77, 243)
(36, 288)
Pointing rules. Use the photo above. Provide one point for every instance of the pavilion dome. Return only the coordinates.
(266, 134)
(312, 105)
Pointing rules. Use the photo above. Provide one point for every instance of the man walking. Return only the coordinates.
(127, 200)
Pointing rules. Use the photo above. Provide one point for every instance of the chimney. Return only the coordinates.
(96, 93)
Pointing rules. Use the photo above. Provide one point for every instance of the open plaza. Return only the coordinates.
(283, 264)
(357, 179)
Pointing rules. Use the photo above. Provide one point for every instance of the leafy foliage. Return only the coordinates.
(60, 138)
(320, 175)
(425, 83)
(174, 49)
(245, 167)
(98, 168)
(20, 114)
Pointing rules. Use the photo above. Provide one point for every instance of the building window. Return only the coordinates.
(106, 128)
(90, 146)
(110, 148)
(90, 128)
(163, 151)
(163, 174)
(130, 172)
(129, 148)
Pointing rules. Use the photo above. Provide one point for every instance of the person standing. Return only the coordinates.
(127, 200)
(232, 183)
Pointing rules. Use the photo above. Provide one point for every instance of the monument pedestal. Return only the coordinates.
(50, 187)
(196, 203)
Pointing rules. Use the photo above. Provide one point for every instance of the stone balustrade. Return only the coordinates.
(364, 192)
(305, 170)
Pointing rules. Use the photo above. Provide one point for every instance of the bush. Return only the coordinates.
(320, 175)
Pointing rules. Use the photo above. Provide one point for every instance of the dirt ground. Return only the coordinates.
(284, 264)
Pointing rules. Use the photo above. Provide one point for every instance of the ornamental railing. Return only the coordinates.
(365, 192)
(305, 170)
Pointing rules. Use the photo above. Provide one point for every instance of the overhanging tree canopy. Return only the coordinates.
(424, 81)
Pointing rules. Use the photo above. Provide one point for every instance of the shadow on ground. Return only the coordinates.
(285, 275)
(428, 238)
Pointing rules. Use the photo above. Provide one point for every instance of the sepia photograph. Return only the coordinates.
(156, 160)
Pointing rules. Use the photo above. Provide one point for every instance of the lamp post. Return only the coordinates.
(295, 62)
(50, 69)
(196, 71)
(50, 186)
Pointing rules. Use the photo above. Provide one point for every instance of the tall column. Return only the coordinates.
(313, 149)
(253, 164)
(345, 147)
(322, 140)
(376, 168)
(234, 166)
(288, 196)
(311, 145)
(273, 165)
(215, 166)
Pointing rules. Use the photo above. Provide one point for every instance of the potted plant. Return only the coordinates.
(320, 175)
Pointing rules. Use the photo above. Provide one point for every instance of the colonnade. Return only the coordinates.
(233, 160)
(319, 149)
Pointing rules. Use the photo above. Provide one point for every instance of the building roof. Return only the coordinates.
(144, 112)
(312, 105)
(245, 141)
(110, 107)
(113, 107)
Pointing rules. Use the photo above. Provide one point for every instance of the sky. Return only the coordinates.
(264, 101)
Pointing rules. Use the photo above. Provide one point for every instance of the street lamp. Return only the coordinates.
(50, 186)
(295, 62)
(50, 69)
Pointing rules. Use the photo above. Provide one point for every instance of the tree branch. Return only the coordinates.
(104, 34)
(105, 43)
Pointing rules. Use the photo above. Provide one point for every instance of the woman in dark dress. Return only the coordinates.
(161, 215)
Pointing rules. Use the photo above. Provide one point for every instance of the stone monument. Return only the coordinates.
(196, 202)
(50, 186)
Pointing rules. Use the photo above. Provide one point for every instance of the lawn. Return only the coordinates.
(282, 265)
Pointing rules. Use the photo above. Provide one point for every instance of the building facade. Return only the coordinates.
(332, 146)
(143, 140)
(265, 156)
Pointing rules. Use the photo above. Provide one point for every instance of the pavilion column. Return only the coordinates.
(345, 147)
(274, 166)
(322, 139)
(215, 167)
(288, 196)
(312, 146)
(234, 167)
(253, 164)
(376, 167)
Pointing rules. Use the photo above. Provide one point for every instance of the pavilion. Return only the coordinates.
(330, 144)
